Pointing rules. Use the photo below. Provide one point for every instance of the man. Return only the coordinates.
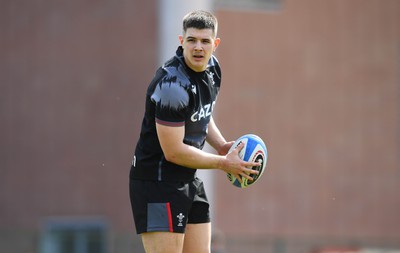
(169, 204)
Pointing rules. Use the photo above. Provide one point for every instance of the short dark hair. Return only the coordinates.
(200, 20)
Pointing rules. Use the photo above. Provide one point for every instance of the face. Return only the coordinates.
(198, 46)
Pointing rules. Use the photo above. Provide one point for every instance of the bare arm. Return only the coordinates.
(216, 140)
(171, 140)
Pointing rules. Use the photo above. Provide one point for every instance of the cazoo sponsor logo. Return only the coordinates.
(203, 113)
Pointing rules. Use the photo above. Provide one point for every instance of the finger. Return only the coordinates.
(225, 148)
(251, 171)
(239, 178)
(252, 164)
(247, 176)
(240, 147)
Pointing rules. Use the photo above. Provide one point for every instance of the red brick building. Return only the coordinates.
(318, 80)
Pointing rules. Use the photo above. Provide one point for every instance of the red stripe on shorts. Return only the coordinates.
(171, 227)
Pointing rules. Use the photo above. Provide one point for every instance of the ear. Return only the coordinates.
(216, 43)
(180, 39)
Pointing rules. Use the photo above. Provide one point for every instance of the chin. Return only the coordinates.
(198, 67)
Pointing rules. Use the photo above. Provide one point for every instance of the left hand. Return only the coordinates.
(224, 149)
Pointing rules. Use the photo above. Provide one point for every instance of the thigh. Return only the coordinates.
(197, 238)
(162, 242)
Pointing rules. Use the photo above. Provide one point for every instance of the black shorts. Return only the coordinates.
(168, 206)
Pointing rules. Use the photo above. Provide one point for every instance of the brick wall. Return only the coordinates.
(72, 84)
(319, 82)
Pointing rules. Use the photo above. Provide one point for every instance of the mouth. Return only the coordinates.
(198, 57)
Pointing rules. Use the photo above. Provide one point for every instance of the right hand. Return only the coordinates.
(237, 167)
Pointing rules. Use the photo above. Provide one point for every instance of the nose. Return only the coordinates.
(198, 45)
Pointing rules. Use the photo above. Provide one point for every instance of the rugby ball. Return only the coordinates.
(254, 150)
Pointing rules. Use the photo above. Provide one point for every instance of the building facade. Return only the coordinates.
(318, 80)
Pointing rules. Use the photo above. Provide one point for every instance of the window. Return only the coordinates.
(249, 5)
(74, 235)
